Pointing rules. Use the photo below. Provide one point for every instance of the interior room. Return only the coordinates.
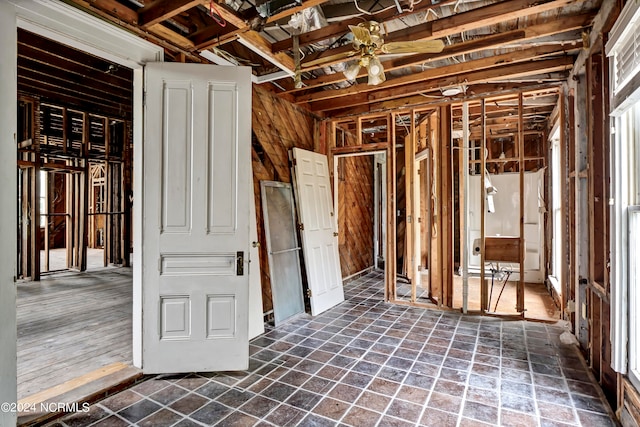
(408, 213)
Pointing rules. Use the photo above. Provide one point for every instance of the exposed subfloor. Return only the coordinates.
(58, 259)
(537, 301)
(367, 363)
(71, 324)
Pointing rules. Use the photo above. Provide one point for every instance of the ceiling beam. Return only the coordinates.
(342, 27)
(450, 70)
(454, 24)
(491, 92)
(492, 41)
(503, 72)
(161, 10)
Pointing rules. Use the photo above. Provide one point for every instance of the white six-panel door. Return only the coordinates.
(319, 232)
(196, 218)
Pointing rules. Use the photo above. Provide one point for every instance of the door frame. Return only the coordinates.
(378, 198)
(70, 26)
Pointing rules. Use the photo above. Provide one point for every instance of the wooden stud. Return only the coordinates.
(46, 236)
(564, 195)
(410, 214)
(520, 290)
(390, 262)
(36, 242)
(484, 291)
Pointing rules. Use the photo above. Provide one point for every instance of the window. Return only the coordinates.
(630, 137)
(556, 212)
(634, 295)
(622, 49)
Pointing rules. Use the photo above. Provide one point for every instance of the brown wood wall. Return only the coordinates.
(355, 213)
(277, 126)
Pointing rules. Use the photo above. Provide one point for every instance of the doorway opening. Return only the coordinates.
(360, 197)
(74, 169)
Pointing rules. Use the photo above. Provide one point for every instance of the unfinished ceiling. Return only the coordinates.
(491, 48)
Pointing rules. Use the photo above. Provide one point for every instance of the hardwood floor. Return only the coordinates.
(71, 324)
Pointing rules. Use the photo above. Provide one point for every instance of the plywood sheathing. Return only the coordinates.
(355, 213)
(277, 126)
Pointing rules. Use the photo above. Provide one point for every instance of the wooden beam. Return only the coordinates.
(494, 14)
(90, 6)
(390, 256)
(474, 93)
(502, 72)
(484, 289)
(258, 42)
(170, 35)
(342, 27)
(160, 10)
(520, 290)
(465, 21)
(449, 71)
(116, 9)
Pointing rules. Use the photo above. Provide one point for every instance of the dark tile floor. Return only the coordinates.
(369, 363)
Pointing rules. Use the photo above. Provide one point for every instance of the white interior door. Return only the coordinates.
(319, 231)
(195, 282)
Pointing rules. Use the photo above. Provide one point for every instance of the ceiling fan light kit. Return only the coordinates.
(352, 71)
(368, 42)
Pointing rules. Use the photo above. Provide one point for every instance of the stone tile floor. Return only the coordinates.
(369, 363)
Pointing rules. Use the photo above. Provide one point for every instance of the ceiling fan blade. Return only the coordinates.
(361, 35)
(424, 46)
(328, 59)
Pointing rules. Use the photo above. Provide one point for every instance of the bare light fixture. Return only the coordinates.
(453, 90)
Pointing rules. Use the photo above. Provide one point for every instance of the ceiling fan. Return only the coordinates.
(368, 42)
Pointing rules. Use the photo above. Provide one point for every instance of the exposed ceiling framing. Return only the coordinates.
(491, 47)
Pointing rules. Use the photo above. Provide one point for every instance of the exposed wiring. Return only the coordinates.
(426, 15)
(366, 12)
(355, 2)
(217, 16)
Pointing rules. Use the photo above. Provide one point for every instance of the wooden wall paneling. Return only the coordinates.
(520, 290)
(355, 213)
(277, 126)
(261, 173)
(630, 403)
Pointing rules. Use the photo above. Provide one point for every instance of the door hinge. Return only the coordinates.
(144, 98)
(335, 234)
(300, 226)
(160, 264)
(309, 292)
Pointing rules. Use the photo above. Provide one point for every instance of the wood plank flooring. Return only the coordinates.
(71, 324)
(538, 303)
